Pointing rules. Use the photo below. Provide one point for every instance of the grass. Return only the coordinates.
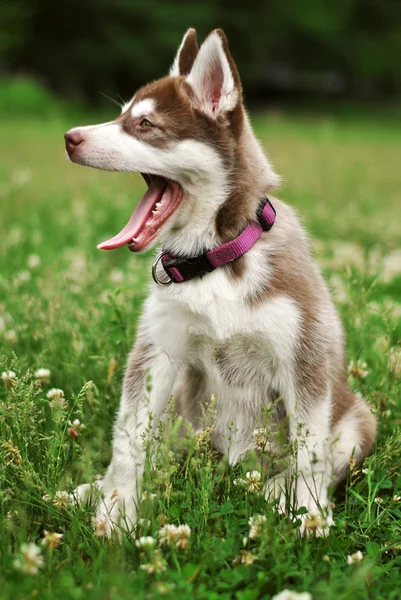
(70, 309)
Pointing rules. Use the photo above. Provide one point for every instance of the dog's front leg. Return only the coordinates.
(147, 367)
(306, 482)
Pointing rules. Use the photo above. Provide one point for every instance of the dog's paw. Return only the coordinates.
(87, 493)
(115, 509)
(290, 494)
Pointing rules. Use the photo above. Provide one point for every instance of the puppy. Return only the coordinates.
(238, 307)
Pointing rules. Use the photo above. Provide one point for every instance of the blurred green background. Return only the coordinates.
(284, 48)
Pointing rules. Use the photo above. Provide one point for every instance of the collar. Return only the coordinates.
(184, 268)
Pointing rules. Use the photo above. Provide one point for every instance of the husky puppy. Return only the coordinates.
(238, 308)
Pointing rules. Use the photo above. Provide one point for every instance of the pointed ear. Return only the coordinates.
(186, 54)
(214, 76)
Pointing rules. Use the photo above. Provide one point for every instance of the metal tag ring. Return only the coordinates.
(154, 273)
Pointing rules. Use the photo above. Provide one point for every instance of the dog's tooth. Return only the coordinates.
(159, 204)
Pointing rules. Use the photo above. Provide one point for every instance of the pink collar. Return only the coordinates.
(185, 268)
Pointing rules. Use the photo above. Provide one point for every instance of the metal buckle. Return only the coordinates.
(191, 267)
(156, 278)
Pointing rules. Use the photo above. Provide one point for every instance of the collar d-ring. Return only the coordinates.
(155, 276)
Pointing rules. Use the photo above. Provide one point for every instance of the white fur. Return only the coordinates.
(208, 63)
(143, 107)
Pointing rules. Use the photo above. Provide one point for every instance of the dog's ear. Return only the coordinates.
(186, 54)
(214, 76)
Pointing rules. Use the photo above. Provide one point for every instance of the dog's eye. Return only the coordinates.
(146, 123)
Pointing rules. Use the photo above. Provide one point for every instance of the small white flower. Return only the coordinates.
(290, 595)
(11, 336)
(43, 376)
(116, 276)
(256, 526)
(22, 276)
(260, 435)
(391, 265)
(61, 499)
(148, 496)
(253, 481)
(358, 369)
(396, 498)
(54, 394)
(33, 261)
(30, 559)
(145, 542)
(8, 378)
(394, 361)
(245, 541)
(157, 565)
(46, 498)
(172, 535)
(365, 471)
(74, 428)
(379, 500)
(357, 557)
(144, 523)
(51, 539)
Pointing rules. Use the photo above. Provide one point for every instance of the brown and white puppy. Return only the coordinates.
(253, 331)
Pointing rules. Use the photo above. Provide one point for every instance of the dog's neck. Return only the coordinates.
(224, 202)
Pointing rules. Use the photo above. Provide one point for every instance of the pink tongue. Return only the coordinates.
(139, 216)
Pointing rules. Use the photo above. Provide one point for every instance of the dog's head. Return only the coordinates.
(181, 133)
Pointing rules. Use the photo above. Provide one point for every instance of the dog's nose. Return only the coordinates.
(72, 140)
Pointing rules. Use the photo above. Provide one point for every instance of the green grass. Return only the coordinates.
(75, 313)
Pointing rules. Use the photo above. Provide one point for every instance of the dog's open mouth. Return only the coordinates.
(158, 203)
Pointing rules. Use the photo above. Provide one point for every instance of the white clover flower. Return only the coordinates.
(396, 498)
(11, 336)
(260, 435)
(116, 276)
(46, 498)
(391, 266)
(30, 559)
(33, 261)
(145, 542)
(74, 428)
(170, 535)
(245, 558)
(253, 481)
(144, 523)
(61, 499)
(43, 376)
(148, 496)
(357, 557)
(8, 378)
(358, 369)
(379, 500)
(55, 393)
(290, 595)
(157, 565)
(22, 276)
(365, 471)
(51, 539)
(256, 526)
(394, 361)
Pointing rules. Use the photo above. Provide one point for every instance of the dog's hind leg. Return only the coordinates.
(353, 436)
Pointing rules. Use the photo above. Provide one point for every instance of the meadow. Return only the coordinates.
(68, 317)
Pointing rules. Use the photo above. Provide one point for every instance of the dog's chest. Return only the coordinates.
(238, 343)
